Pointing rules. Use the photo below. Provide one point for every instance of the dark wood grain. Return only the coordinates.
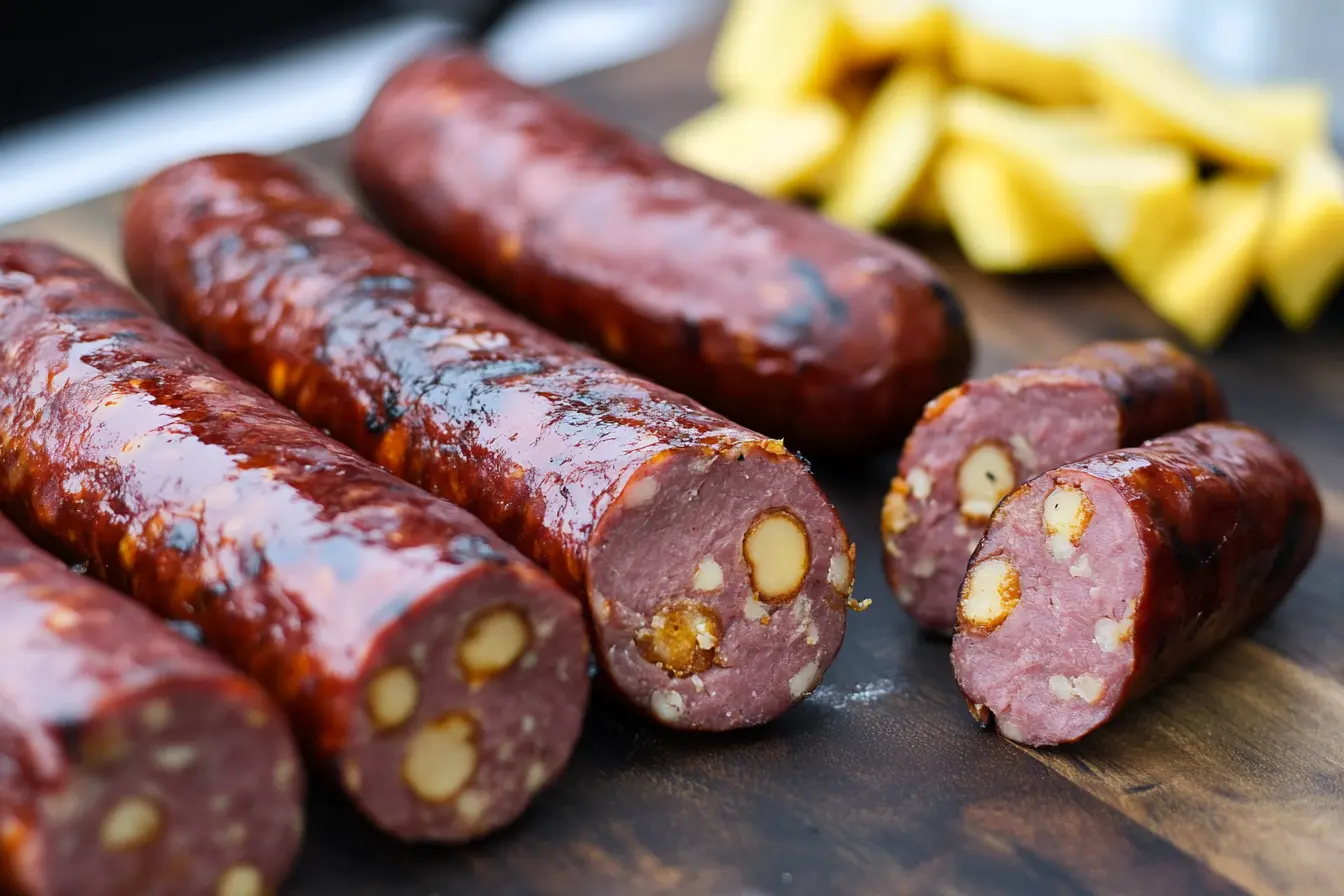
(1230, 779)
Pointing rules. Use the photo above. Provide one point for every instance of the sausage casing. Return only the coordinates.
(828, 338)
(714, 570)
(979, 441)
(131, 760)
(439, 674)
(1099, 580)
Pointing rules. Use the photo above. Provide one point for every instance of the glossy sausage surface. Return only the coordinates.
(396, 631)
(980, 440)
(641, 501)
(1099, 580)
(828, 338)
(131, 761)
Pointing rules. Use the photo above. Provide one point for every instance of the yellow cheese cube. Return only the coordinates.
(1133, 199)
(990, 60)
(1153, 94)
(1203, 284)
(999, 223)
(1298, 113)
(1304, 249)
(889, 150)
(770, 149)
(1023, 138)
(880, 30)
(1080, 121)
(852, 94)
(1130, 197)
(777, 49)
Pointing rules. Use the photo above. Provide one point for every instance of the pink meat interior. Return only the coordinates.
(1052, 632)
(220, 769)
(1043, 423)
(526, 719)
(646, 553)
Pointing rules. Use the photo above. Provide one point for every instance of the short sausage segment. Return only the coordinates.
(829, 338)
(1185, 541)
(979, 441)
(116, 734)
(713, 568)
(369, 610)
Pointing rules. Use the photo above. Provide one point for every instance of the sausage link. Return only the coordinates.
(714, 570)
(439, 674)
(1097, 581)
(131, 761)
(979, 441)
(828, 338)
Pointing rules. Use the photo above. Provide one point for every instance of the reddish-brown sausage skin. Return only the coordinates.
(1185, 541)
(314, 571)
(828, 338)
(1104, 396)
(622, 489)
(101, 708)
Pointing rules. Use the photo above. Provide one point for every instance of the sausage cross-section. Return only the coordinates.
(829, 338)
(714, 570)
(131, 761)
(979, 441)
(1099, 580)
(438, 673)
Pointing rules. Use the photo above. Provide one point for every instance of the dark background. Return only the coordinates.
(56, 56)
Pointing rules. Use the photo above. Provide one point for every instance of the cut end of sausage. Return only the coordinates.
(985, 440)
(718, 583)
(169, 792)
(470, 702)
(1057, 665)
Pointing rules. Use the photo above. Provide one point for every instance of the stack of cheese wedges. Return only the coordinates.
(891, 112)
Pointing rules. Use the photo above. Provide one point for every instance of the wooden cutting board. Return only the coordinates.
(1230, 779)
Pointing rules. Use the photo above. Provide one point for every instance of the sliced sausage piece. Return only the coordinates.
(829, 338)
(979, 441)
(1099, 580)
(435, 670)
(715, 571)
(131, 761)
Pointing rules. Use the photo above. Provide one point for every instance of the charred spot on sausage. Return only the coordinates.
(796, 321)
(690, 335)
(378, 420)
(68, 730)
(1295, 527)
(837, 310)
(947, 298)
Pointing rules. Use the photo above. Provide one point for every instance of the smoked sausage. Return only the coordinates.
(131, 761)
(829, 338)
(714, 571)
(439, 674)
(1097, 581)
(979, 441)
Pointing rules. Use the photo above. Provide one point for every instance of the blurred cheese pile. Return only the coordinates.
(897, 111)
